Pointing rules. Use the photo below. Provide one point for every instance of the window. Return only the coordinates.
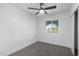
(52, 26)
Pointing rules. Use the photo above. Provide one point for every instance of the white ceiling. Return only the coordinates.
(61, 7)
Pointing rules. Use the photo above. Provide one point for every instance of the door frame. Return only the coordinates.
(76, 32)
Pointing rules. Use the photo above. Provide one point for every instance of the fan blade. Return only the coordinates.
(52, 7)
(33, 8)
(37, 13)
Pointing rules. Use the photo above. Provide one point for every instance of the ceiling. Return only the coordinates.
(61, 7)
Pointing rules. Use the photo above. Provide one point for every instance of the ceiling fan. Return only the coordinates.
(42, 9)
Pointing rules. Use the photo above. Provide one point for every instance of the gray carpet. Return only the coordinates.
(43, 49)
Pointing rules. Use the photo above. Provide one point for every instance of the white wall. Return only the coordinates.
(72, 32)
(63, 37)
(17, 29)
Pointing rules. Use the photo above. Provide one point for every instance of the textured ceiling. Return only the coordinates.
(61, 7)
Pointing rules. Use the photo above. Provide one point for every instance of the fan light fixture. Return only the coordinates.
(41, 11)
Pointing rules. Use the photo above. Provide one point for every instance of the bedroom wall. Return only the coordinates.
(63, 37)
(17, 29)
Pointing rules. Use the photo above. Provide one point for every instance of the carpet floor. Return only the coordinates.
(43, 49)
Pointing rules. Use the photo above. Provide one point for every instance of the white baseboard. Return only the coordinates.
(19, 48)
